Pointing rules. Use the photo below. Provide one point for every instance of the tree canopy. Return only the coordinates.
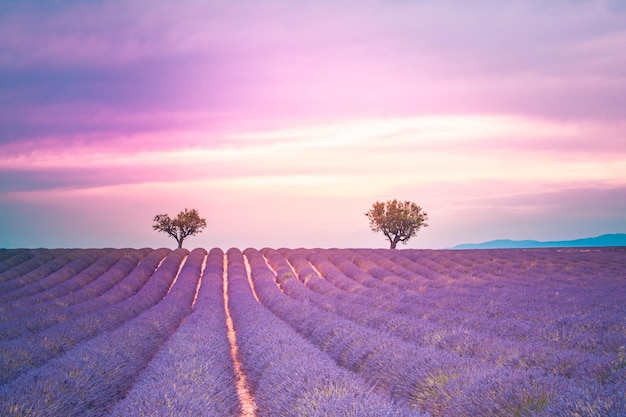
(399, 221)
(187, 223)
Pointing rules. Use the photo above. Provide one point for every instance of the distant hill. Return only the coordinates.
(616, 239)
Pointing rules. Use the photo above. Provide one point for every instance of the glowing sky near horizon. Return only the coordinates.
(282, 122)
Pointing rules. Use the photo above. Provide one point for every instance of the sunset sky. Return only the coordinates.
(283, 121)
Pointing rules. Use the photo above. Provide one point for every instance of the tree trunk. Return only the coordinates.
(394, 241)
(180, 243)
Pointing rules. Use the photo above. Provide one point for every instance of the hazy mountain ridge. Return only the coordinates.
(614, 239)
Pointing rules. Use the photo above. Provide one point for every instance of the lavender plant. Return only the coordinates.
(15, 257)
(91, 377)
(537, 332)
(447, 387)
(30, 283)
(192, 374)
(115, 285)
(73, 283)
(22, 354)
(41, 258)
(295, 379)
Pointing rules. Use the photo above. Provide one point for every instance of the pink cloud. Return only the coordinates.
(265, 59)
(300, 104)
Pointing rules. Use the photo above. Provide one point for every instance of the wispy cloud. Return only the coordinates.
(258, 61)
(378, 151)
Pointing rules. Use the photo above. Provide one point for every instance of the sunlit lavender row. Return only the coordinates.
(313, 332)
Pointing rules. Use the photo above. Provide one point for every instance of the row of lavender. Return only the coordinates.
(514, 332)
(319, 332)
(143, 338)
(287, 374)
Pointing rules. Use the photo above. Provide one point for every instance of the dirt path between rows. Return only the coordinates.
(246, 398)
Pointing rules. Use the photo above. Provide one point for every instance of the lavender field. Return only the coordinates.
(313, 332)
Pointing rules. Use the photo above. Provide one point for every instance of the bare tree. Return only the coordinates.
(397, 220)
(187, 223)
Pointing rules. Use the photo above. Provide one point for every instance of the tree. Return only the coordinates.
(398, 220)
(187, 223)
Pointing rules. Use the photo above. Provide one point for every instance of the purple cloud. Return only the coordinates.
(256, 61)
(96, 94)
